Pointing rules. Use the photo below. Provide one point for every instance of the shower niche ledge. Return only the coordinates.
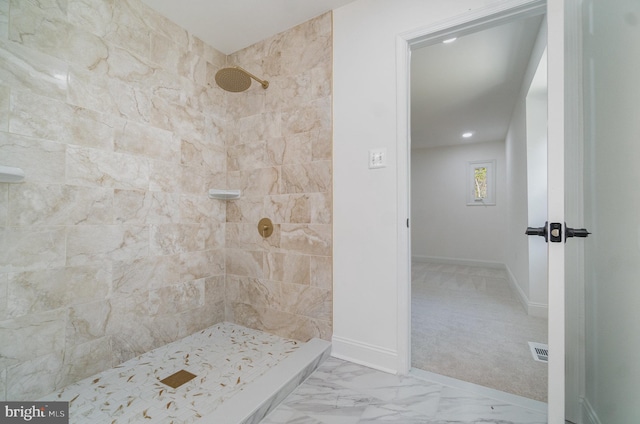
(9, 174)
(220, 194)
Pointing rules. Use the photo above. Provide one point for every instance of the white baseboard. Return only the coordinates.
(455, 261)
(371, 356)
(589, 416)
(534, 309)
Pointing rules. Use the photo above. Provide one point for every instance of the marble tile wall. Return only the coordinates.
(279, 153)
(111, 246)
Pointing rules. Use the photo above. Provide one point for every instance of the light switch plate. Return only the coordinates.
(377, 158)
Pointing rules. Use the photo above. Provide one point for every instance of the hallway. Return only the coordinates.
(468, 324)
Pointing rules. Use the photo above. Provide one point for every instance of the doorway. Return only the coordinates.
(474, 305)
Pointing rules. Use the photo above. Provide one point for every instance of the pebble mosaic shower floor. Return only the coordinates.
(225, 359)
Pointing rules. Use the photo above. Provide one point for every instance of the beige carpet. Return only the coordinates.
(468, 324)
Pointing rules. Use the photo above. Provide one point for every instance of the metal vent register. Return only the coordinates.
(539, 351)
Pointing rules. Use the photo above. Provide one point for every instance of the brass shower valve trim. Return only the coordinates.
(265, 227)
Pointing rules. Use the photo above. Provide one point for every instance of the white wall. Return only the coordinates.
(366, 221)
(443, 226)
(534, 297)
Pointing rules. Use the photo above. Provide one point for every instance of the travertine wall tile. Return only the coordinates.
(287, 267)
(310, 239)
(4, 204)
(86, 359)
(243, 236)
(91, 244)
(4, 283)
(198, 180)
(262, 181)
(46, 290)
(246, 156)
(42, 117)
(91, 167)
(309, 301)
(321, 205)
(3, 384)
(31, 336)
(322, 272)
(56, 204)
(86, 322)
(244, 263)
(247, 209)
(252, 291)
(139, 207)
(201, 210)
(206, 154)
(5, 101)
(42, 160)
(196, 265)
(27, 69)
(148, 141)
(165, 176)
(296, 148)
(177, 298)
(277, 322)
(32, 248)
(144, 274)
(289, 208)
(279, 154)
(34, 377)
(310, 177)
(4, 34)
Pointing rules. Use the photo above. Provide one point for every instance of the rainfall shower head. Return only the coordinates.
(236, 79)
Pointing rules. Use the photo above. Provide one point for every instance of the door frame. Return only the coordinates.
(470, 22)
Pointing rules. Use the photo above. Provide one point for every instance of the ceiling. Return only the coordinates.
(231, 25)
(469, 85)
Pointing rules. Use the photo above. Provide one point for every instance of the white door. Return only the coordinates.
(612, 211)
(593, 175)
(555, 192)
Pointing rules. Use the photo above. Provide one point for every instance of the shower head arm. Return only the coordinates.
(264, 83)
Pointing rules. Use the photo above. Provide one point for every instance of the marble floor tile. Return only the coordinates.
(342, 392)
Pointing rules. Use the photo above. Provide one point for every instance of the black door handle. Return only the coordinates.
(556, 232)
(539, 231)
(575, 232)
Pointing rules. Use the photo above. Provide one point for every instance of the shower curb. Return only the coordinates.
(263, 395)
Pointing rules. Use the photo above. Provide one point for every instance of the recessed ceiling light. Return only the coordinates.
(467, 134)
(450, 40)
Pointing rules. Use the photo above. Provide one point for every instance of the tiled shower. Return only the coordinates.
(111, 246)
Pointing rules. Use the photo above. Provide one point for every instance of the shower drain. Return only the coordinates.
(177, 379)
(539, 351)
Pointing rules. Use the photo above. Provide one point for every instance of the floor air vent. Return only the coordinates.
(539, 351)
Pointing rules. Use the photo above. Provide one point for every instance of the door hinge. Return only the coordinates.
(407, 222)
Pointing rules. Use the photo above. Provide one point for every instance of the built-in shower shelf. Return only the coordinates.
(9, 174)
(219, 194)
